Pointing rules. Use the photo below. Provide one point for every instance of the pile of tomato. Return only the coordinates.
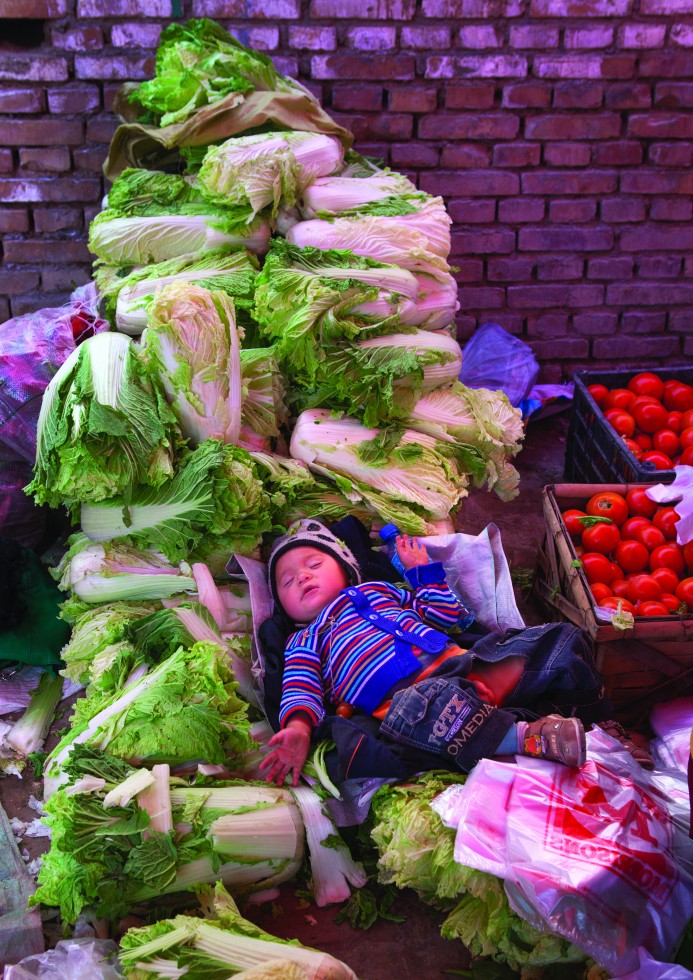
(628, 551)
(653, 417)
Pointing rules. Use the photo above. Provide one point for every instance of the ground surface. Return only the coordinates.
(413, 949)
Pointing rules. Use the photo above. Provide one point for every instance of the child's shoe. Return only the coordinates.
(639, 752)
(554, 738)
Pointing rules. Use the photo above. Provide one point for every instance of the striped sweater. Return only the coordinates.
(340, 653)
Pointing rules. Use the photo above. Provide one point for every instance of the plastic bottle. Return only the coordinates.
(388, 534)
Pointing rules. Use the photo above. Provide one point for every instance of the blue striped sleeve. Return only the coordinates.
(302, 680)
(432, 598)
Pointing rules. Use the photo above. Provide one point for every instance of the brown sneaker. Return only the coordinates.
(556, 739)
(639, 751)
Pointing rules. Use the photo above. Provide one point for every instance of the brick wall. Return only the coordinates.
(560, 133)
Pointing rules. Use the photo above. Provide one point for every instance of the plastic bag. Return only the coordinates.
(20, 518)
(599, 855)
(71, 959)
(494, 359)
(672, 723)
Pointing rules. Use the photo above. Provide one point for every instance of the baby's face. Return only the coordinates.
(307, 580)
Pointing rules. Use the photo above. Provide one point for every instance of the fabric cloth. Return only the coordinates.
(40, 636)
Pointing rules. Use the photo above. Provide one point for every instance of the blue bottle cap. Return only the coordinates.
(388, 531)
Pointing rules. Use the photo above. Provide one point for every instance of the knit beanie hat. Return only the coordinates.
(312, 534)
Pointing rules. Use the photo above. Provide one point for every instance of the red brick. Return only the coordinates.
(129, 8)
(674, 94)
(595, 323)
(364, 9)
(656, 182)
(681, 321)
(660, 266)
(681, 34)
(482, 297)
(22, 100)
(482, 242)
(642, 35)
(564, 182)
(588, 38)
(578, 95)
(587, 127)
(13, 221)
(513, 269)
(516, 155)
(479, 37)
(534, 36)
(413, 99)
(57, 219)
(531, 95)
(470, 96)
(55, 159)
(74, 275)
(548, 325)
(474, 9)
(89, 159)
(661, 125)
(486, 66)
(669, 64)
(517, 210)
(668, 209)
(636, 95)
(569, 211)
(654, 238)
(641, 321)
(122, 66)
(423, 38)
(671, 154)
(618, 267)
(49, 189)
(371, 38)
(31, 302)
(413, 155)
(565, 239)
(100, 129)
(365, 97)
(137, 35)
(567, 154)
(469, 270)
(345, 65)
(478, 183)
(78, 39)
(465, 156)
(32, 68)
(649, 294)
(313, 38)
(44, 132)
(565, 348)
(584, 66)
(618, 209)
(666, 7)
(580, 8)
(259, 9)
(33, 251)
(376, 125)
(468, 126)
(6, 161)
(465, 326)
(618, 154)
(471, 212)
(16, 281)
(688, 347)
(559, 267)
(645, 348)
(73, 99)
(35, 9)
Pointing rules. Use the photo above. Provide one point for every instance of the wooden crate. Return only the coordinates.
(651, 662)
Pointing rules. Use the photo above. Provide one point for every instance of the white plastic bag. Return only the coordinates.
(71, 959)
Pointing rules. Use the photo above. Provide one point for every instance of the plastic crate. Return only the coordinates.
(595, 453)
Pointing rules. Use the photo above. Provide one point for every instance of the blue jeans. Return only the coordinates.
(444, 715)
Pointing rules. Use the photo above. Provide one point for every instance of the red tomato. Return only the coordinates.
(684, 592)
(597, 567)
(686, 437)
(647, 383)
(620, 421)
(670, 601)
(599, 393)
(666, 578)
(666, 518)
(579, 550)
(633, 446)
(621, 587)
(651, 609)
(639, 504)
(650, 417)
(619, 398)
(600, 591)
(675, 421)
(629, 529)
(666, 441)
(643, 588)
(686, 418)
(688, 555)
(602, 538)
(573, 525)
(669, 555)
(686, 458)
(644, 441)
(606, 504)
(678, 397)
(660, 460)
(632, 556)
(644, 400)
(650, 536)
(618, 574)
(613, 602)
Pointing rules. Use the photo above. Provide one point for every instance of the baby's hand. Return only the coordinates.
(292, 747)
(411, 551)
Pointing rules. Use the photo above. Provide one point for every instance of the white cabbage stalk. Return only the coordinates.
(141, 241)
(192, 342)
(87, 784)
(436, 302)
(333, 195)
(98, 575)
(156, 800)
(263, 407)
(137, 782)
(267, 168)
(438, 341)
(29, 733)
(419, 242)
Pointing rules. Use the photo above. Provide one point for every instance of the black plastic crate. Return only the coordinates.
(595, 453)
